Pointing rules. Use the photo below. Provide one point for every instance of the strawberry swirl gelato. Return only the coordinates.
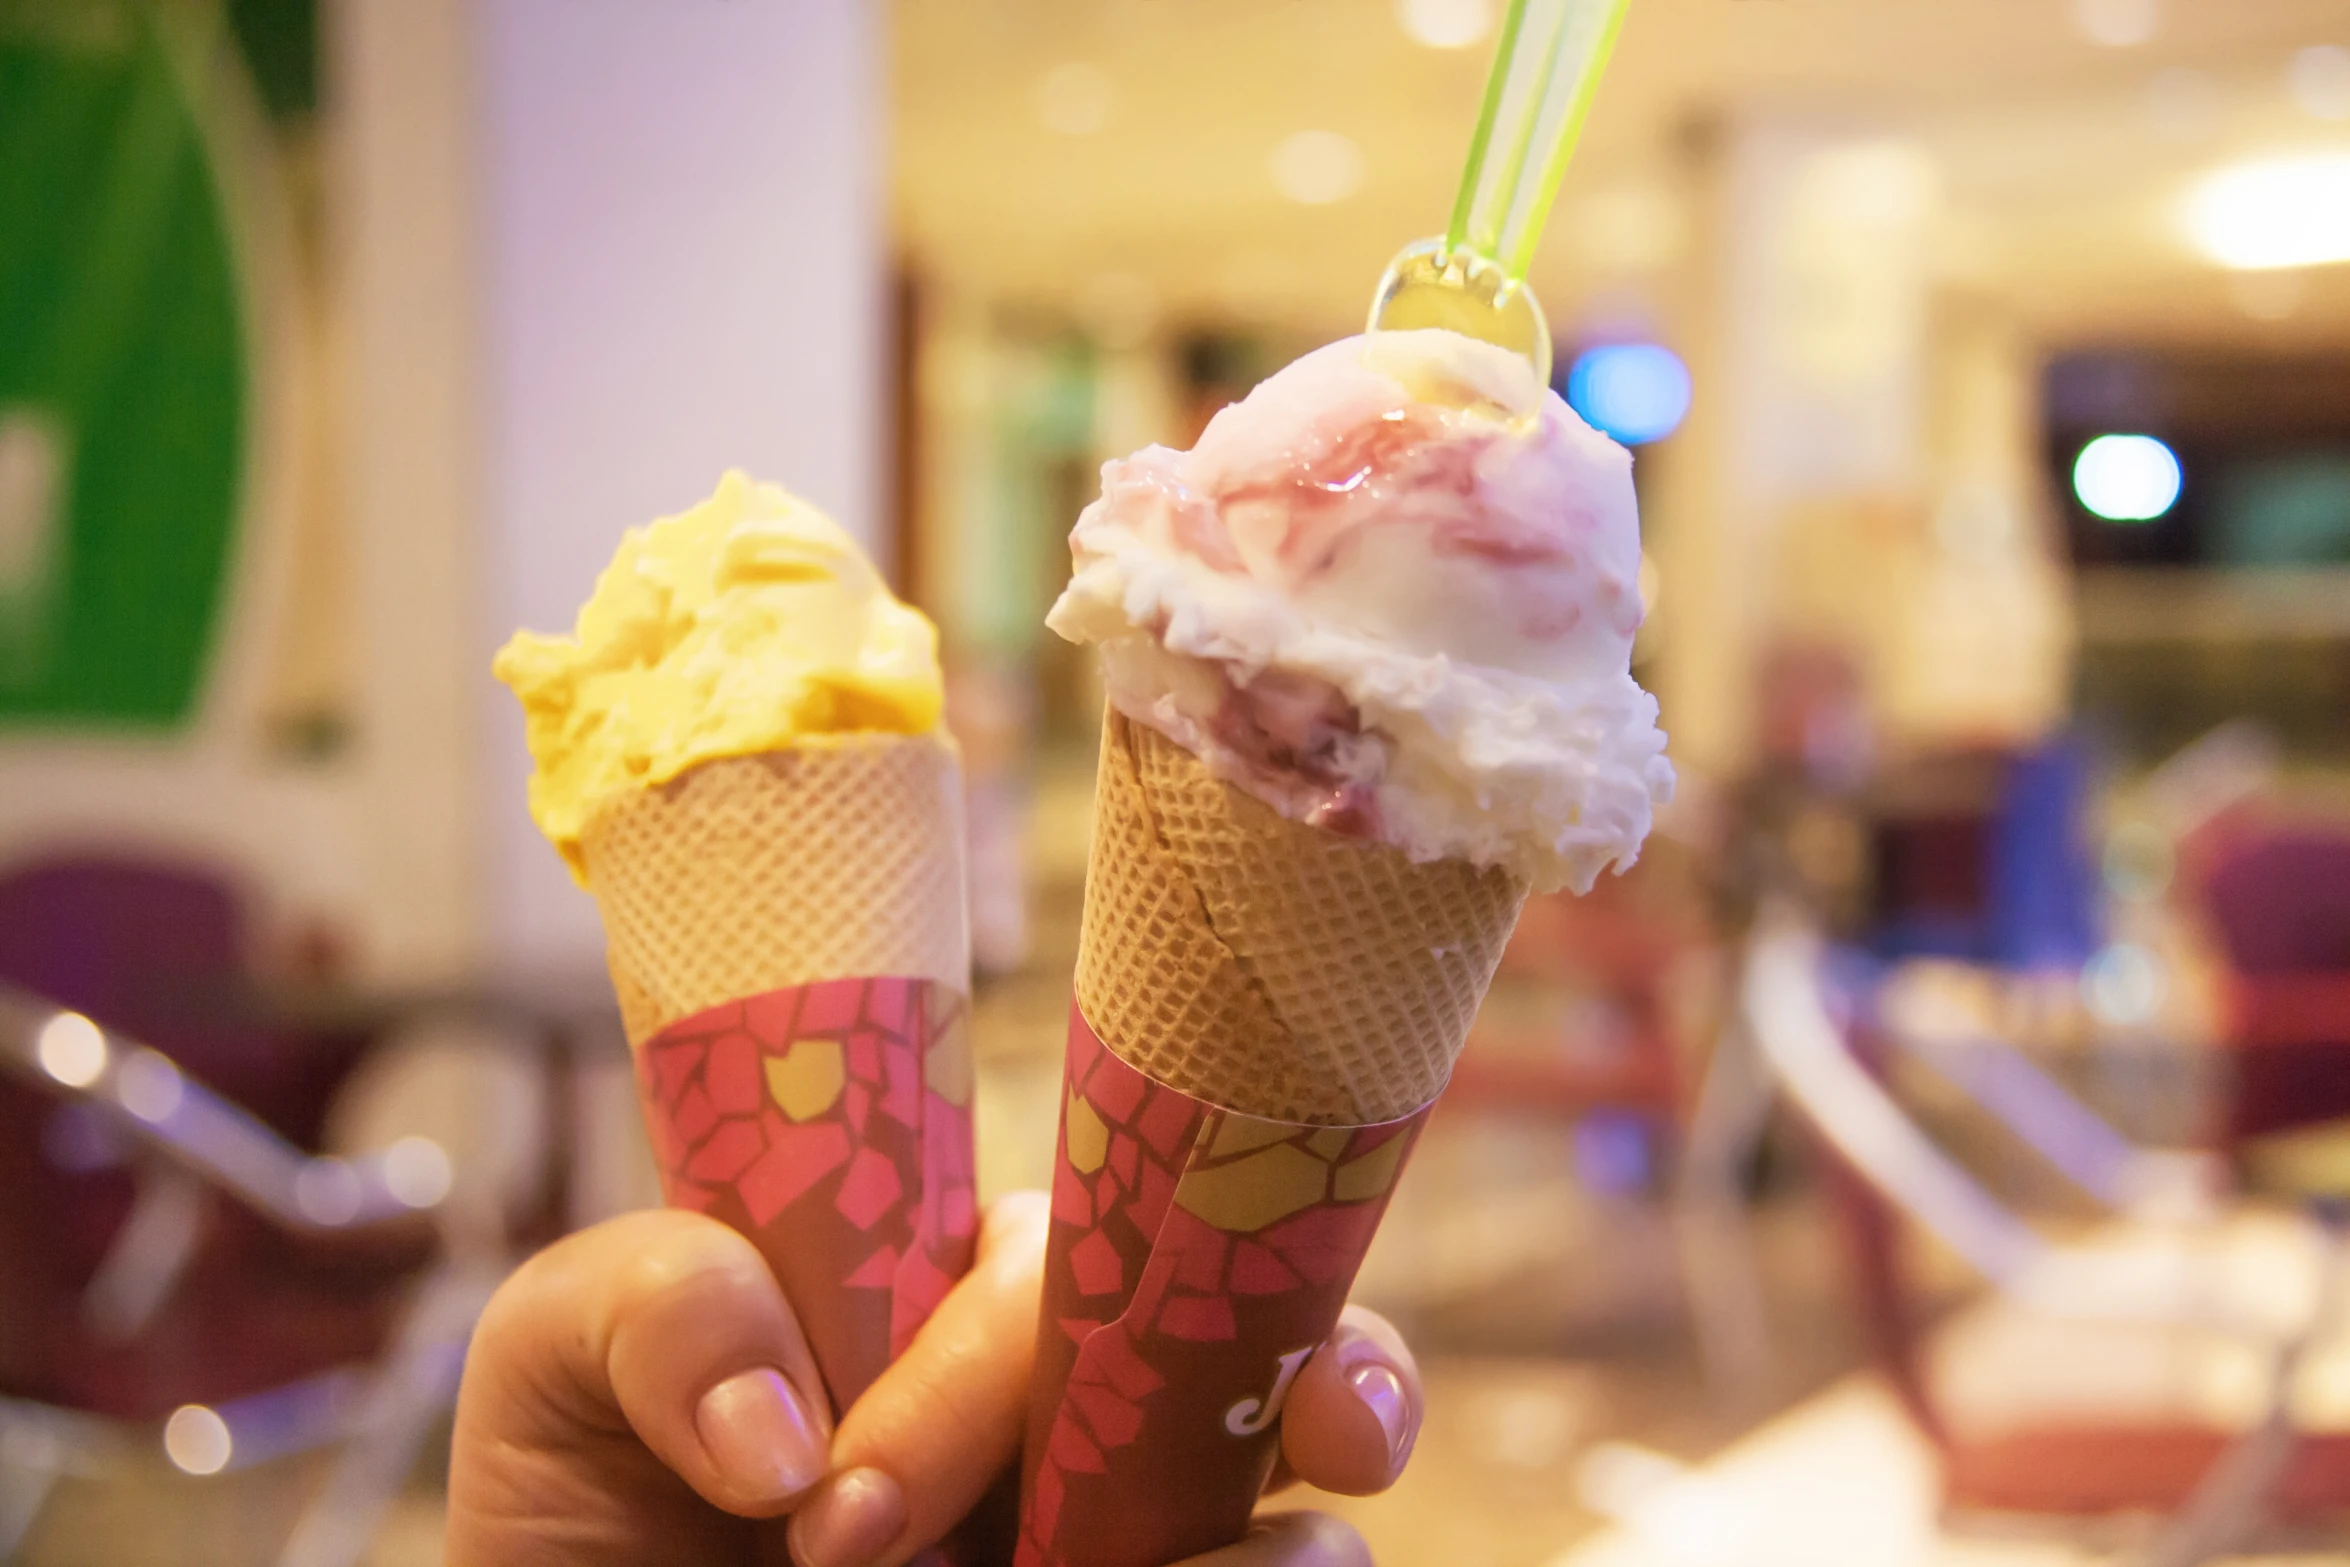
(1391, 593)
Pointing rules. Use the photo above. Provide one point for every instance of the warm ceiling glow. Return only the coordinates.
(2117, 24)
(1317, 167)
(1075, 99)
(2127, 478)
(2275, 212)
(1445, 24)
(2320, 81)
(2184, 103)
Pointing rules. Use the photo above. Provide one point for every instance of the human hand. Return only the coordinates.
(641, 1393)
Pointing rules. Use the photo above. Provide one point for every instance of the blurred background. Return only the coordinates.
(1934, 1151)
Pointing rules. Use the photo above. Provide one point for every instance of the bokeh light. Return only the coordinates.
(1317, 167)
(1445, 24)
(2125, 984)
(2117, 24)
(1075, 99)
(71, 1050)
(197, 1441)
(149, 1086)
(2127, 478)
(1636, 392)
(416, 1170)
(328, 1192)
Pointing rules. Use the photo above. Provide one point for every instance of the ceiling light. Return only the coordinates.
(2274, 212)
(2117, 24)
(1317, 167)
(1445, 24)
(2320, 81)
(2127, 478)
(1075, 99)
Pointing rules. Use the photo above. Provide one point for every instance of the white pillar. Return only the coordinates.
(403, 210)
(682, 272)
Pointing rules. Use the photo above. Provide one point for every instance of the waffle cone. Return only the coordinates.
(744, 875)
(1269, 967)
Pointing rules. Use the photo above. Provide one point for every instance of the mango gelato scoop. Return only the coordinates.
(751, 623)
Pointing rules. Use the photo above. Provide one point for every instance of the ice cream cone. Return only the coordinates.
(1367, 647)
(786, 935)
(738, 750)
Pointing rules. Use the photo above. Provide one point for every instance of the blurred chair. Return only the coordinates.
(178, 1261)
(2277, 897)
(1606, 946)
(2085, 1387)
(1981, 856)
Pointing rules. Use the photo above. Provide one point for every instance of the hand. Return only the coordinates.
(641, 1393)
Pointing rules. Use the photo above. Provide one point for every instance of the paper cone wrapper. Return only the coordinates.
(1265, 1012)
(786, 934)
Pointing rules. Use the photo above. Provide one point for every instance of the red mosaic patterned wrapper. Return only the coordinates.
(831, 1123)
(1197, 1258)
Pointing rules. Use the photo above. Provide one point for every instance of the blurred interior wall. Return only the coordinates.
(1856, 475)
(682, 272)
(1982, 651)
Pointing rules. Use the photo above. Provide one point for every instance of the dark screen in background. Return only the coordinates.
(2263, 442)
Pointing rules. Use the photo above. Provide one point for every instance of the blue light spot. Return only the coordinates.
(1636, 392)
(1611, 1152)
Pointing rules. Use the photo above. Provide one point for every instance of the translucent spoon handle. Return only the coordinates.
(1546, 71)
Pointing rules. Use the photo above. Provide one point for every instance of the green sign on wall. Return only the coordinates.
(123, 371)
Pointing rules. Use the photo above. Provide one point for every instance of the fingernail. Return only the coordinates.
(853, 1521)
(760, 1437)
(1381, 1391)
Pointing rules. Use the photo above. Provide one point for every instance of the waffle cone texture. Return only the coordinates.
(744, 875)
(1268, 967)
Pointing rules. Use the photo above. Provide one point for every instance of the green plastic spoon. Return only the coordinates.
(1546, 71)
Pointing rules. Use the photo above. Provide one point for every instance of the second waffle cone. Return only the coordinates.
(1269, 967)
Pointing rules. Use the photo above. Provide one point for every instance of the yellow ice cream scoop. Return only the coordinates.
(750, 623)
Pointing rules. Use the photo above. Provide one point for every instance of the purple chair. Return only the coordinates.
(173, 1243)
(2279, 900)
(137, 948)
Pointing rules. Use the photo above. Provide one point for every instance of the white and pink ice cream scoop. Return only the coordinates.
(1392, 592)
